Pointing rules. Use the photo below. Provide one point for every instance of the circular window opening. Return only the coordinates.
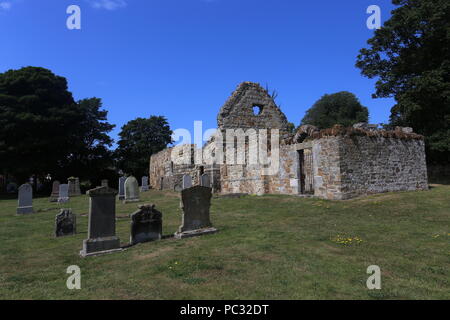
(257, 110)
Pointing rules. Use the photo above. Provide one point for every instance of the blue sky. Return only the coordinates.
(183, 58)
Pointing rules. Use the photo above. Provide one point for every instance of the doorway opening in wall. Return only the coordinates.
(305, 172)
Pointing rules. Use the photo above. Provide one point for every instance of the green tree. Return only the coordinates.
(338, 108)
(36, 122)
(139, 139)
(410, 57)
(44, 131)
(92, 159)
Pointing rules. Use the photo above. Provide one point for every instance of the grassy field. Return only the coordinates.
(270, 247)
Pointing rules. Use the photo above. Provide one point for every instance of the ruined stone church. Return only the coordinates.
(335, 163)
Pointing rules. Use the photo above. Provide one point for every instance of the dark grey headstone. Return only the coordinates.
(102, 223)
(146, 224)
(144, 184)
(74, 187)
(65, 223)
(131, 190)
(196, 202)
(205, 181)
(55, 191)
(25, 199)
(105, 183)
(122, 188)
(187, 182)
(63, 193)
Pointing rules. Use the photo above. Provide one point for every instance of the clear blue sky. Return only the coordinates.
(183, 58)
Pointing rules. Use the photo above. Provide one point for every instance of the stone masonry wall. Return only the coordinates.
(377, 164)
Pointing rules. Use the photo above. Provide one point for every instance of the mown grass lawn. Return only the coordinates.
(270, 247)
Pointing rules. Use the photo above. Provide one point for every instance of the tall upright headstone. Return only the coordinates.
(187, 181)
(25, 199)
(63, 193)
(65, 223)
(205, 181)
(131, 190)
(144, 184)
(195, 202)
(122, 188)
(102, 223)
(55, 191)
(74, 187)
(146, 224)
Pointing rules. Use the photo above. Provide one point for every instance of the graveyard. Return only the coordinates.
(265, 247)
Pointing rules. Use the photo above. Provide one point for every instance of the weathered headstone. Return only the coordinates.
(122, 188)
(55, 191)
(205, 181)
(63, 193)
(74, 187)
(25, 199)
(102, 223)
(131, 190)
(187, 182)
(146, 224)
(105, 183)
(144, 185)
(65, 223)
(195, 203)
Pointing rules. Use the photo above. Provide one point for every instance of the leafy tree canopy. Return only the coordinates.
(410, 57)
(44, 131)
(139, 139)
(338, 108)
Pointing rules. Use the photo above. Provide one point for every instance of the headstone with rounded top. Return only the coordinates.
(25, 199)
(187, 182)
(205, 181)
(144, 184)
(122, 188)
(131, 190)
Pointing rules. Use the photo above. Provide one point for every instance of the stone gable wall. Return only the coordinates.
(237, 112)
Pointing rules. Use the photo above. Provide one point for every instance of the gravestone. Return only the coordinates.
(146, 224)
(102, 223)
(65, 223)
(55, 191)
(105, 183)
(187, 182)
(74, 187)
(144, 185)
(63, 193)
(205, 181)
(25, 199)
(131, 190)
(195, 203)
(122, 188)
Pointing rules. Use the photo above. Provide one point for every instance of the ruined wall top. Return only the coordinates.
(238, 111)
